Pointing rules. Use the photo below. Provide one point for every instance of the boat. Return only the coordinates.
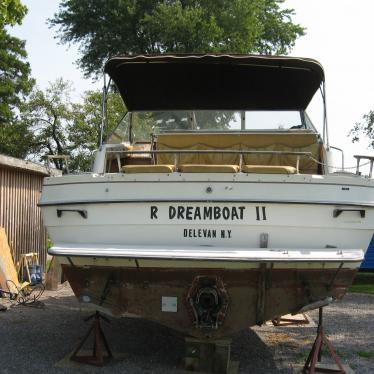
(213, 205)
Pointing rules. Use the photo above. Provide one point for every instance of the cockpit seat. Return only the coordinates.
(138, 169)
(270, 142)
(269, 169)
(200, 168)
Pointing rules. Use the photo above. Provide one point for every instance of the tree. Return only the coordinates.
(15, 139)
(104, 28)
(48, 116)
(62, 127)
(11, 12)
(15, 81)
(364, 129)
(85, 134)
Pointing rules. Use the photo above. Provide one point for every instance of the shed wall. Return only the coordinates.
(19, 214)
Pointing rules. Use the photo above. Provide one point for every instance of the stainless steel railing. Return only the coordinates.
(178, 152)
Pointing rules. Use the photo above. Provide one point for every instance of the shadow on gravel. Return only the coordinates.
(146, 345)
(150, 346)
(253, 354)
(45, 336)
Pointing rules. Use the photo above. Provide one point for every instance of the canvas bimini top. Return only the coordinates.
(215, 82)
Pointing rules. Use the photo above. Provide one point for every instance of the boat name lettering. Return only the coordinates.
(193, 213)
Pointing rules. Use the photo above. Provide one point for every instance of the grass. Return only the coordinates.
(363, 283)
(366, 354)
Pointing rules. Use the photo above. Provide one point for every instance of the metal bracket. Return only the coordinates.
(261, 294)
(264, 240)
(81, 212)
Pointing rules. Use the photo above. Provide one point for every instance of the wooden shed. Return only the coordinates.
(20, 187)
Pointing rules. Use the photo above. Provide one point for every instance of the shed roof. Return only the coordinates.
(28, 166)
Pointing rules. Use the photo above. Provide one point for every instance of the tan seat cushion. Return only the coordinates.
(196, 168)
(266, 169)
(287, 142)
(132, 169)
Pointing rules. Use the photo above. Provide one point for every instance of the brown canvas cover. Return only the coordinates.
(215, 82)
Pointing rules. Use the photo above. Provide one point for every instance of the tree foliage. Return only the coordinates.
(103, 28)
(48, 115)
(86, 132)
(11, 12)
(364, 129)
(15, 82)
(63, 127)
(15, 139)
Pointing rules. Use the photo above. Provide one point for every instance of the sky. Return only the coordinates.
(338, 34)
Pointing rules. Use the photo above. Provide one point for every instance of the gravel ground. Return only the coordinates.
(35, 340)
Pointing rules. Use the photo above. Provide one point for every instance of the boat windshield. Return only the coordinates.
(139, 126)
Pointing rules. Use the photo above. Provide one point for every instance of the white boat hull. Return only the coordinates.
(265, 245)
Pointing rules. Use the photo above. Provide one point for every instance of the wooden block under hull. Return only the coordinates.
(207, 357)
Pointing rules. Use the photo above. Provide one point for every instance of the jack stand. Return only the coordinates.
(315, 353)
(97, 357)
(282, 321)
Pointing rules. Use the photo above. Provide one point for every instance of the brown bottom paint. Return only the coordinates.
(254, 295)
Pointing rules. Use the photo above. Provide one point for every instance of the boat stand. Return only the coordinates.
(97, 358)
(315, 354)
